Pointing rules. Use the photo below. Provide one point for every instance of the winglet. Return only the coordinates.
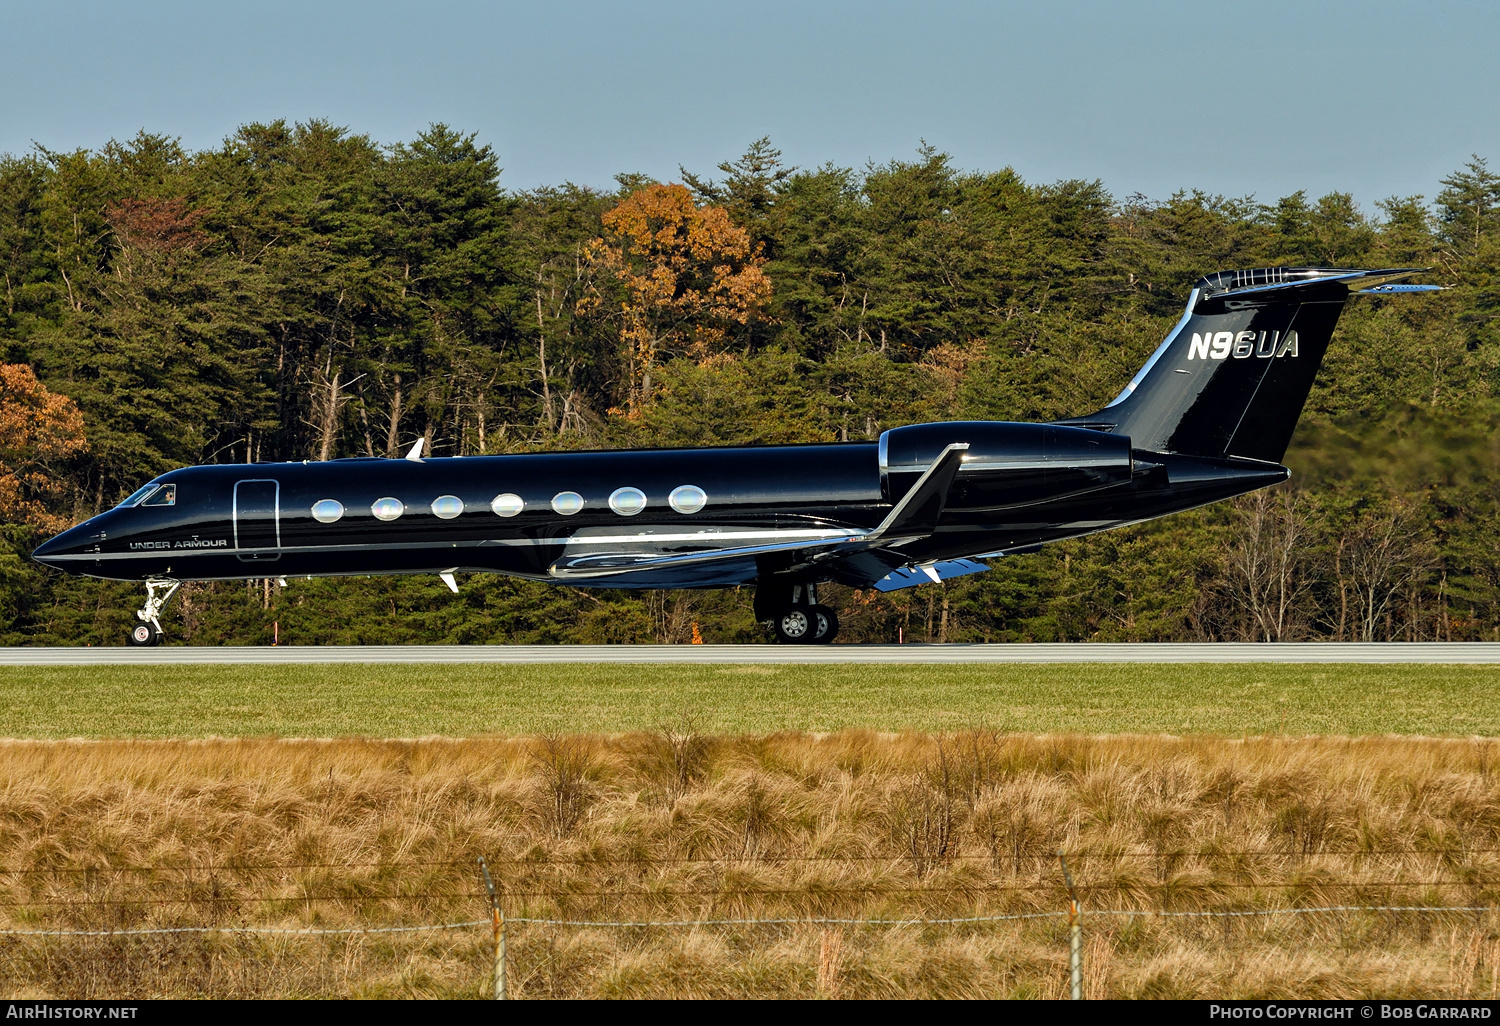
(415, 452)
(449, 580)
(919, 509)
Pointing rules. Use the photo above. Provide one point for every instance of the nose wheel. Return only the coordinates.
(148, 632)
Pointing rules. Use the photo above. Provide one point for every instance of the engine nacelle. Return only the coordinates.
(1006, 464)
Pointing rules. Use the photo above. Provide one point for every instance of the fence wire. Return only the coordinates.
(808, 921)
(308, 931)
(598, 860)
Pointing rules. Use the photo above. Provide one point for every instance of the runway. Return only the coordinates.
(891, 655)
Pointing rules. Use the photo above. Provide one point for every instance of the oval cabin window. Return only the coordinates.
(326, 511)
(507, 504)
(387, 508)
(627, 501)
(688, 498)
(446, 507)
(567, 503)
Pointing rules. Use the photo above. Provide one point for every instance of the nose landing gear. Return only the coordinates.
(148, 632)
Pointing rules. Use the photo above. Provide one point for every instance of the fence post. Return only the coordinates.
(498, 919)
(1075, 929)
(830, 954)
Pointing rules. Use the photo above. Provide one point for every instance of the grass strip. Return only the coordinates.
(470, 700)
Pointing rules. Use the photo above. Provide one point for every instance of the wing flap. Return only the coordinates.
(928, 573)
(590, 565)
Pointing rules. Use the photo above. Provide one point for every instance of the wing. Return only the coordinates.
(601, 556)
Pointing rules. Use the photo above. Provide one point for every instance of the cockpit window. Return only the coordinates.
(166, 495)
(137, 495)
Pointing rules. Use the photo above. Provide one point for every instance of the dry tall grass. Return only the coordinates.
(672, 825)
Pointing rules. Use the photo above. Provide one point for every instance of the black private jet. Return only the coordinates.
(1209, 416)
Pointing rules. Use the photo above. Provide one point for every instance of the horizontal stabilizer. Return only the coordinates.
(928, 573)
(1276, 282)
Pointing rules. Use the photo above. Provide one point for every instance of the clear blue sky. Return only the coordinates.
(1375, 98)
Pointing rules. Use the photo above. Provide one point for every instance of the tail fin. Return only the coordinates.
(1232, 377)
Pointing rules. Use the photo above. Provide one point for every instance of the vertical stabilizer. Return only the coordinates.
(1232, 377)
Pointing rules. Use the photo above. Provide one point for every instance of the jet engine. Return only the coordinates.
(1006, 464)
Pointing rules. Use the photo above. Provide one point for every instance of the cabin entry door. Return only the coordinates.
(257, 521)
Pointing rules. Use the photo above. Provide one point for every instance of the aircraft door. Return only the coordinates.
(257, 521)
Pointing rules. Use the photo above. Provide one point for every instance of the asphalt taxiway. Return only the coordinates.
(1470, 653)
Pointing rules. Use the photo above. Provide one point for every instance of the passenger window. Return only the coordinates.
(166, 495)
(387, 509)
(507, 504)
(687, 499)
(567, 503)
(446, 507)
(627, 501)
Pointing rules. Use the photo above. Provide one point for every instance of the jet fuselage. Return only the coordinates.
(763, 510)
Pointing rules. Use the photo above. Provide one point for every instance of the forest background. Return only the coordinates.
(302, 292)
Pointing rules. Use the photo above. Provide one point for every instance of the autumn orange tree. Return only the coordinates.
(690, 276)
(38, 430)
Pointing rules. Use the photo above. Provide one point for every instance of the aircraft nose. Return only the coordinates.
(66, 543)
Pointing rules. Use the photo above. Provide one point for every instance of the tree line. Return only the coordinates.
(304, 292)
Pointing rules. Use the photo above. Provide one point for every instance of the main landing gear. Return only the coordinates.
(795, 615)
(148, 632)
(806, 625)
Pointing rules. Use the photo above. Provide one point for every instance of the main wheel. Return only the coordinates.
(795, 625)
(143, 635)
(825, 623)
